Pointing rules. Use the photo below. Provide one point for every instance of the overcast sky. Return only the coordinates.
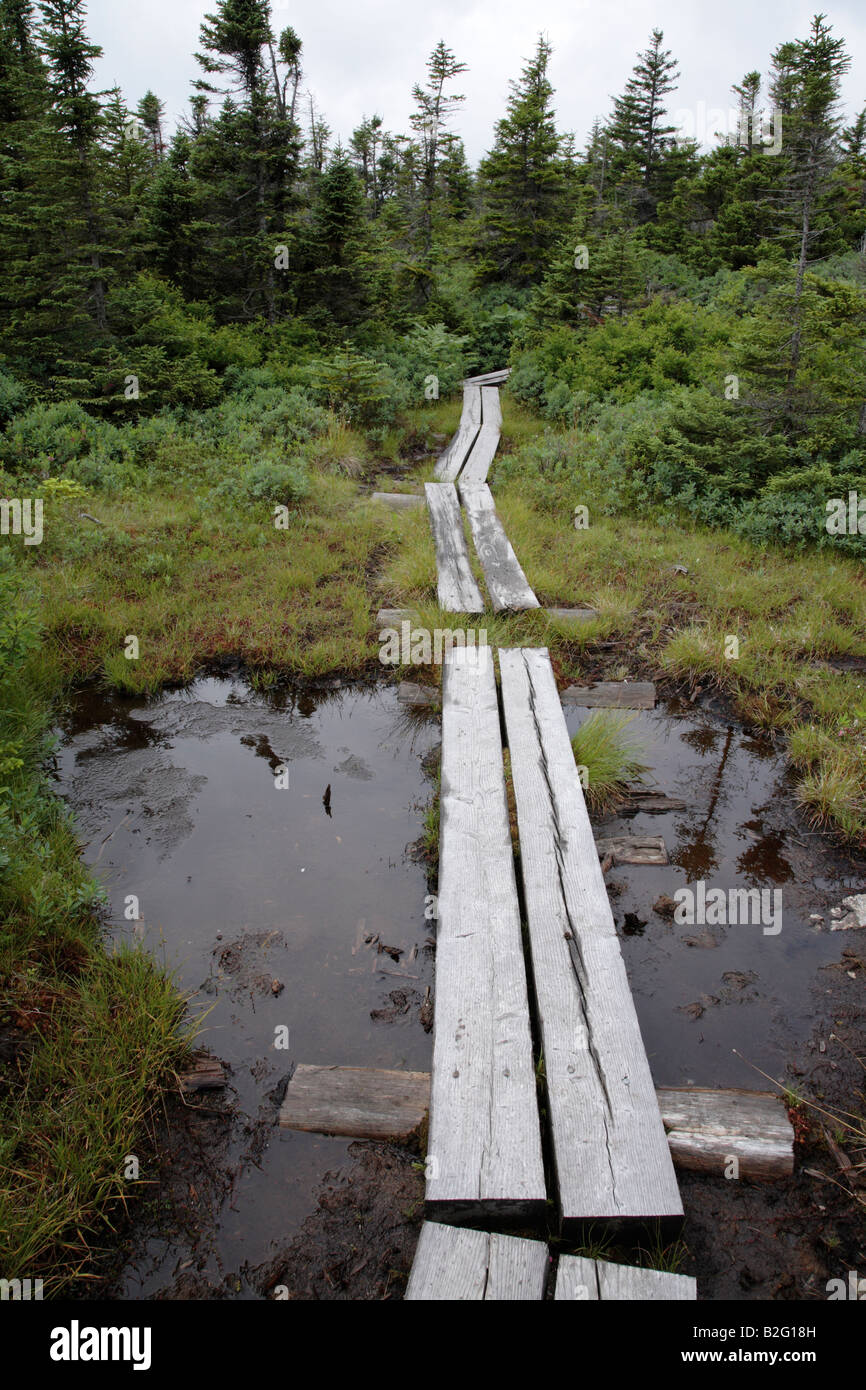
(363, 58)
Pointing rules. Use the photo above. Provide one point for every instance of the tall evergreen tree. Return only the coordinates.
(638, 131)
(523, 181)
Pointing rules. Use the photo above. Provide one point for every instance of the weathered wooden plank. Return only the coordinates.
(644, 800)
(398, 501)
(357, 1101)
(477, 465)
(706, 1128)
(506, 583)
(575, 616)
(455, 1264)
(456, 587)
(611, 1154)
(581, 1279)
(489, 378)
(484, 1148)
(453, 458)
(611, 695)
(633, 849)
(421, 696)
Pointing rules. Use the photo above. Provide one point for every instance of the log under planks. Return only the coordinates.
(610, 1150)
(454, 457)
(506, 583)
(489, 378)
(484, 1150)
(356, 1101)
(477, 465)
(399, 501)
(454, 1264)
(581, 1280)
(612, 695)
(456, 586)
(707, 1128)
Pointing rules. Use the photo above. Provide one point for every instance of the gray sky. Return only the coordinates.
(361, 60)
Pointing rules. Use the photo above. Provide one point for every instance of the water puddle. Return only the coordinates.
(262, 901)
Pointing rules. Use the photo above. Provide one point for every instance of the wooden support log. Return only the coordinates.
(456, 587)
(644, 800)
(611, 695)
(398, 501)
(356, 1101)
(582, 1280)
(452, 460)
(207, 1074)
(393, 617)
(506, 583)
(611, 1154)
(459, 1265)
(484, 1150)
(421, 696)
(489, 378)
(633, 849)
(707, 1128)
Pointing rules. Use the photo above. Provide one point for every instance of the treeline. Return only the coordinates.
(727, 287)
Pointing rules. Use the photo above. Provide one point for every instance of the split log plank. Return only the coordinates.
(393, 617)
(647, 801)
(610, 1150)
(484, 1149)
(356, 1101)
(612, 695)
(633, 849)
(452, 460)
(456, 587)
(506, 583)
(706, 1128)
(398, 501)
(477, 465)
(455, 1264)
(602, 1280)
(207, 1074)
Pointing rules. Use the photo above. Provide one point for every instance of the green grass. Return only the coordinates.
(607, 759)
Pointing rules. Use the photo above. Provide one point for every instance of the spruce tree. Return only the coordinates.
(638, 131)
(523, 181)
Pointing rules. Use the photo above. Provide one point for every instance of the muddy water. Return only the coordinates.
(261, 901)
(706, 993)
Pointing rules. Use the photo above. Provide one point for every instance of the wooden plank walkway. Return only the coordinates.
(602, 1281)
(477, 465)
(356, 1101)
(456, 587)
(489, 378)
(484, 1149)
(452, 1263)
(506, 583)
(611, 1153)
(454, 457)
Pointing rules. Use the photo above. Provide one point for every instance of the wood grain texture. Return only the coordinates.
(573, 616)
(393, 617)
(454, 1264)
(356, 1101)
(484, 1147)
(706, 1128)
(612, 695)
(452, 460)
(611, 1154)
(589, 1280)
(421, 696)
(477, 465)
(398, 501)
(456, 587)
(506, 583)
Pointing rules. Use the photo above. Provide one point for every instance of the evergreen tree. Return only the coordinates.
(637, 129)
(523, 181)
(434, 107)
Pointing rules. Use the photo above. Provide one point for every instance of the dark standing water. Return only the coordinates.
(241, 884)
